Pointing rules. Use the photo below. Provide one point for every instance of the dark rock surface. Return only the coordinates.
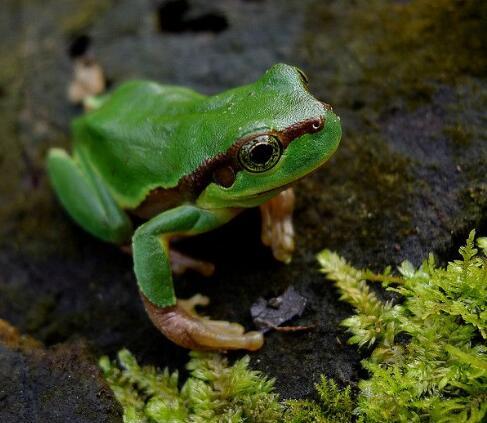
(51, 385)
(408, 79)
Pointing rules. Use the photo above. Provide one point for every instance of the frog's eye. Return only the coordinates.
(260, 154)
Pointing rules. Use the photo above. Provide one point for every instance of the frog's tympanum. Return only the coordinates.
(187, 163)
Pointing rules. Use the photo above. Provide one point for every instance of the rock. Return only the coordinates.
(407, 79)
(58, 384)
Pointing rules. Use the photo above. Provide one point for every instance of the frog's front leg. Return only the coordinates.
(86, 198)
(150, 245)
(277, 225)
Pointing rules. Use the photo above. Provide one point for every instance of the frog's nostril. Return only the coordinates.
(316, 125)
(327, 106)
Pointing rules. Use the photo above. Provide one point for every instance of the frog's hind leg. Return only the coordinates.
(177, 319)
(87, 199)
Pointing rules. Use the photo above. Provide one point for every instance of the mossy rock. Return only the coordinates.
(408, 178)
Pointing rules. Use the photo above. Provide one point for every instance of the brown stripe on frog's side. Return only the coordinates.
(158, 200)
(221, 169)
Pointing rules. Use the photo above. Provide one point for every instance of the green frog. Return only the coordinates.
(186, 163)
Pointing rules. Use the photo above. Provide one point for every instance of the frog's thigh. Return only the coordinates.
(86, 199)
(150, 247)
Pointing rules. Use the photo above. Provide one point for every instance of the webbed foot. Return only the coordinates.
(277, 225)
(182, 325)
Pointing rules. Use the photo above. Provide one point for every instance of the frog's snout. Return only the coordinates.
(327, 106)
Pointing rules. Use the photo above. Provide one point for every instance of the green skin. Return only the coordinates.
(146, 136)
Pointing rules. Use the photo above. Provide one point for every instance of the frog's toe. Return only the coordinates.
(217, 339)
(225, 327)
(196, 300)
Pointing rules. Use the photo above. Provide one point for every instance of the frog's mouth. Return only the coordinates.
(275, 190)
(269, 192)
(254, 200)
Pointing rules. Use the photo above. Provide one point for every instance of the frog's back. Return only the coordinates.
(130, 138)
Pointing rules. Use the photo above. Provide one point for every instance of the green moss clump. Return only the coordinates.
(214, 392)
(335, 406)
(438, 370)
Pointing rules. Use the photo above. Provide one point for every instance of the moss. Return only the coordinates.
(429, 361)
(335, 405)
(216, 392)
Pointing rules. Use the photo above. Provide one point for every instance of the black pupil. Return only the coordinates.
(261, 153)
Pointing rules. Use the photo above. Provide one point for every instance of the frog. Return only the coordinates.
(152, 163)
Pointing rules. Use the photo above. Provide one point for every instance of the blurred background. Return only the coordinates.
(408, 79)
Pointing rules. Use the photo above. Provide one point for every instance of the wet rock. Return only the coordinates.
(408, 178)
(58, 384)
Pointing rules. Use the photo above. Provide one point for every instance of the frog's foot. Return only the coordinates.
(183, 326)
(180, 263)
(277, 225)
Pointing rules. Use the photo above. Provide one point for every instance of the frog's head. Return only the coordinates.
(276, 132)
